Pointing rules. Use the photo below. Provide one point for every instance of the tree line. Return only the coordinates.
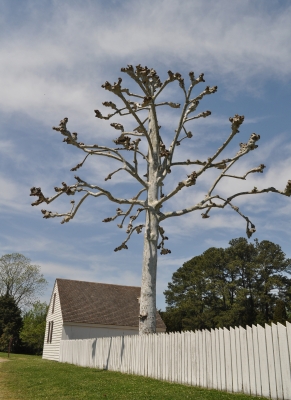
(22, 315)
(244, 284)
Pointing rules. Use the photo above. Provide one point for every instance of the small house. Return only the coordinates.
(83, 310)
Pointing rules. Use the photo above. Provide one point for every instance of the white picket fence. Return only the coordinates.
(254, 361)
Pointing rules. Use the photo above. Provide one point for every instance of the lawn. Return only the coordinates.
(30, 377)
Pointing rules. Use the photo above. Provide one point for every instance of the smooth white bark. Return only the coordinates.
(147, 320)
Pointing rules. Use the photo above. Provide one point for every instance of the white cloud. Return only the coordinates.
(52, 63)
(55, 57)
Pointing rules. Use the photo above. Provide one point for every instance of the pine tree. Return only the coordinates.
(244, 284)
(10, 321)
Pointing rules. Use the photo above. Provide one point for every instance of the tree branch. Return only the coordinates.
(141, 125)
(120, 212)
(260, 169)
(161, 245)
(190, 181)
(244, 149)
(83, 184)
(204, 114)
(207, 202)
(236, 121)
(123, 245)
(189, 106)
(127, 166)
(67, 216)
(112, 173)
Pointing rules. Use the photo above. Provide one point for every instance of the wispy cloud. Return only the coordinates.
(56, 55)
(49, 63)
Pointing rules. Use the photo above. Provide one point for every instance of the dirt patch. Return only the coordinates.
(3, 359)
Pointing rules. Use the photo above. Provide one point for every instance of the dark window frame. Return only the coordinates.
(51, 333)
(48, 333)
(54, 302)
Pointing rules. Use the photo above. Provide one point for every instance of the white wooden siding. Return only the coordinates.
(255, 360)
(83, 331)
(73, 330)
(51, 350)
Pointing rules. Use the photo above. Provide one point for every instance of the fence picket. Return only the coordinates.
(213, 358)
(190, 358)
(199, 358)
(172, 351)
(271, 362)
(253, 386)
(209, 377)
(233, 360)
(218, 366)
(257, 361)
(222, 359)
(156, 374)
(194, 359)
(284, 360)
(204, 359)
(228, 367)
(238, 360)
(178, 358)
(277, 362)
(244, 360)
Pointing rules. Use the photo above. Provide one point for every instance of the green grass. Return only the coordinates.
(30, 377)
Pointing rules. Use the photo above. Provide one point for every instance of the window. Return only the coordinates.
(54, 301)
(52, 327)
(50, 332)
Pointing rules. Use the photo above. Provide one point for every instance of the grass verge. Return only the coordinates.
(30, 377)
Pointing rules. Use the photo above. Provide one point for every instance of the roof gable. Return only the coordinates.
(100, 303)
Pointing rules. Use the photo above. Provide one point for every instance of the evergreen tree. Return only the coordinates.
(280, 314)
(10, 322)
(244, 284)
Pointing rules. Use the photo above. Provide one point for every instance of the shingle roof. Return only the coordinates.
(100, 303)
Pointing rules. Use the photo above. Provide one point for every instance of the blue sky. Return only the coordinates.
(54, 57)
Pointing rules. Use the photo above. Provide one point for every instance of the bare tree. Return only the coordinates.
(159, 161)
(20, 279)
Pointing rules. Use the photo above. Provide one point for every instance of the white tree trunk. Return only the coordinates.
(147, 320)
